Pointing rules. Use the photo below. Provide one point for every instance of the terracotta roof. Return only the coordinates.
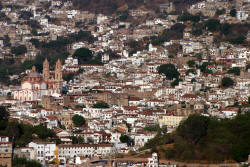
(52, 117)
(189, 96)
(130, 107)
(231, 109)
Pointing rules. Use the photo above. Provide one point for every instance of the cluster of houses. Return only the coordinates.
(139, 99)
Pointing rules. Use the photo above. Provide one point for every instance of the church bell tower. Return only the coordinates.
(46, 73)
(58, 71)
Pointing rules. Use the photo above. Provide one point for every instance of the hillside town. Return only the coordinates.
(105, 85)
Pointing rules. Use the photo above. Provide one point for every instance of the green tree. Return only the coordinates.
(43, 132)
(170, 153)
(174, 33)
(169, 70)
(233, 12)
(68, 77)
(27, 64)
(101, 105)
(25, 15)
(234, 70)
(238, 40)
(176, 82)
(83, 55)
(247, 67)
(227, 82)
(212, 25)
(80, 140)
(191, 63)
(81, 70)
(61, 126)
(19, 50)
(80, 106)
(126, 139)
(197, 29)
(194, 128)
(189, 17)
(74, 140)
(77, 140)
(90, 140)
(4, 114)
(6, 41)
(241, 148)
(220, 11)
(123, 15)
(35, 42)
(17, 162)
(13, 131)
(225, 28)
(154, 149)
(190, 71)
(78, 120)
(204, 68)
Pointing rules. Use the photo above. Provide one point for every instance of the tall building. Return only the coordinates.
(46, 72)
(35, 85)
(58, 71)
(5, 151)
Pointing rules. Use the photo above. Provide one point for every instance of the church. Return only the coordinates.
(35, 85)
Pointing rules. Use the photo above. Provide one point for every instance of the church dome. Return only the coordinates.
(34, 74)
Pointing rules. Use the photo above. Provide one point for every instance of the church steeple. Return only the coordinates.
(58, 71)
(46, 73)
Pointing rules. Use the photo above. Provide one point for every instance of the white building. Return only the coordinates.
(170, 120)
(242, 15)
(154, 161)
(86, 150)
(141, 139)
(45, 151)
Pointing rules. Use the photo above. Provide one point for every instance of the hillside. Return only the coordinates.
(201, 138)
(112, 6)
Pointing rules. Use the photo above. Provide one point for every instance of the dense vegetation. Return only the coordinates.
(85, 56)
(233, 33)
(227, 82)
(17, 162)
(101, 105)
(77, 140)
(169, 71)
(113, 6)
(209, 139)
(174, 33)
(189, 17)
(127, 139)
(78, 120)
(19, 50)
(234, 70)
(21, 134)
(136, 46)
